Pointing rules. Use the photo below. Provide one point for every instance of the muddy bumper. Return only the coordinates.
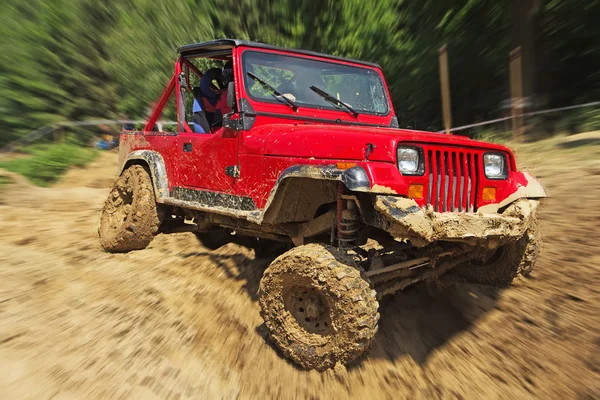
(405, 220)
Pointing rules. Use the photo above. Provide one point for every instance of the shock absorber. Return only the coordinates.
(347, 216)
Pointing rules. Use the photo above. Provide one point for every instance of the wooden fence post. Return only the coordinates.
(445, 88)
(516, 93)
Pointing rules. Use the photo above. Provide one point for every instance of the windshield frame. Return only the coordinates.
(377, 71)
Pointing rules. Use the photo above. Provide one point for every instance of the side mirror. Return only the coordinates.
(231, 95)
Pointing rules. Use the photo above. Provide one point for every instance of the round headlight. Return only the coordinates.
(409, 161)
(494, 166)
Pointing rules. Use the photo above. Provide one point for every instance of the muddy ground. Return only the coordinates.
(178, 321)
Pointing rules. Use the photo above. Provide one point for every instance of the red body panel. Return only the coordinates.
(163, 143)
(203, 159)
(281, 138)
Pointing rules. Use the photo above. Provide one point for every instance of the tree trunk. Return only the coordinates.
(525, 16)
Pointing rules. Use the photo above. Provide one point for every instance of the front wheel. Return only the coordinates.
(317, 307)
(500, 266)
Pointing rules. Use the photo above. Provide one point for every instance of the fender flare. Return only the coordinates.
(355, 179)
(158, 172)
(532, 190)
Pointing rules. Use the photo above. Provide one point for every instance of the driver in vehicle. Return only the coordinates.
(226, 77)
(210, 103)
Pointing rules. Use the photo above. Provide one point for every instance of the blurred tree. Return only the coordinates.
(53, 67)
(143, 48)
(569, 39)
(403, 36)
(61, 59)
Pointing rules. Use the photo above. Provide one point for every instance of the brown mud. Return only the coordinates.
(129, 219)
(342, 299)
(178, 321)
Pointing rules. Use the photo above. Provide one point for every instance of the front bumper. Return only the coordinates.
(405, 220)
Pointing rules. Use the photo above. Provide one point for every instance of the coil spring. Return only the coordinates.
(347, 226)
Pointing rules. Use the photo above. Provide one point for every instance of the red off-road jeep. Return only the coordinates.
(311, 165)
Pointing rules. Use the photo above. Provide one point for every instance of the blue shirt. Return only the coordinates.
(197, 108)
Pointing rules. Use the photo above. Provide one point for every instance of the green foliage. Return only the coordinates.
(4, 181)
(76, 60)
(579, 120)
(53, 63)
(492, 136)
(143, 48)
(47, 162)
(590, 119)
(569, 35)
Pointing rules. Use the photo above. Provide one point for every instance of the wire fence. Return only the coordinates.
(49, 129)
(528, 114)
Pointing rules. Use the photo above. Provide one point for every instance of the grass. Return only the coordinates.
(4, 181)
(493, 136)
(47, 162)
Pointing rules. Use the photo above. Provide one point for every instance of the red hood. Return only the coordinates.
(345, 142)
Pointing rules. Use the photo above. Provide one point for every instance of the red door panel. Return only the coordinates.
(204, 157)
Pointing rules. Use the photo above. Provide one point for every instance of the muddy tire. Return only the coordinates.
(317, 307)
(129, 217)
(502, 265)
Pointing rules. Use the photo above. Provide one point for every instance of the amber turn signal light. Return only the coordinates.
(345, 165)
(415, 191)
(488, 194)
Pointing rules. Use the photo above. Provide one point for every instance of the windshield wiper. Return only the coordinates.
(333, 100)
(278, 96)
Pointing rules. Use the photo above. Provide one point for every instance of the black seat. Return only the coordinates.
(202, 118)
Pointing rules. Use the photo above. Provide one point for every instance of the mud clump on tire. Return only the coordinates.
(344, 318)
(129, 217)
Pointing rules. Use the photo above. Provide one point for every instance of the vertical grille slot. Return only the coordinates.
(442, 173)
(436, 180)
(474, 183)
(468, 178)
(431, 174)
(453, 180)
(463, 183)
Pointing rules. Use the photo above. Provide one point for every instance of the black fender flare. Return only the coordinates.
(156, 166)
(355, 178)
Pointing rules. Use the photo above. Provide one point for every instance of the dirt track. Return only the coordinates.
(177, 321)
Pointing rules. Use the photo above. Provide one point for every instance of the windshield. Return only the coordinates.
(360, 88)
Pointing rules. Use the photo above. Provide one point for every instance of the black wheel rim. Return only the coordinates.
(310, 308)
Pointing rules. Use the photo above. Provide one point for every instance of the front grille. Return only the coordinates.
(452, 180)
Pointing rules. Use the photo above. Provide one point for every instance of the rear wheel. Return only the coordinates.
(317, 307)
(129, 217)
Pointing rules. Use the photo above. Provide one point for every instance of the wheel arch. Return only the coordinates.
(318, 186)
(153, 162)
